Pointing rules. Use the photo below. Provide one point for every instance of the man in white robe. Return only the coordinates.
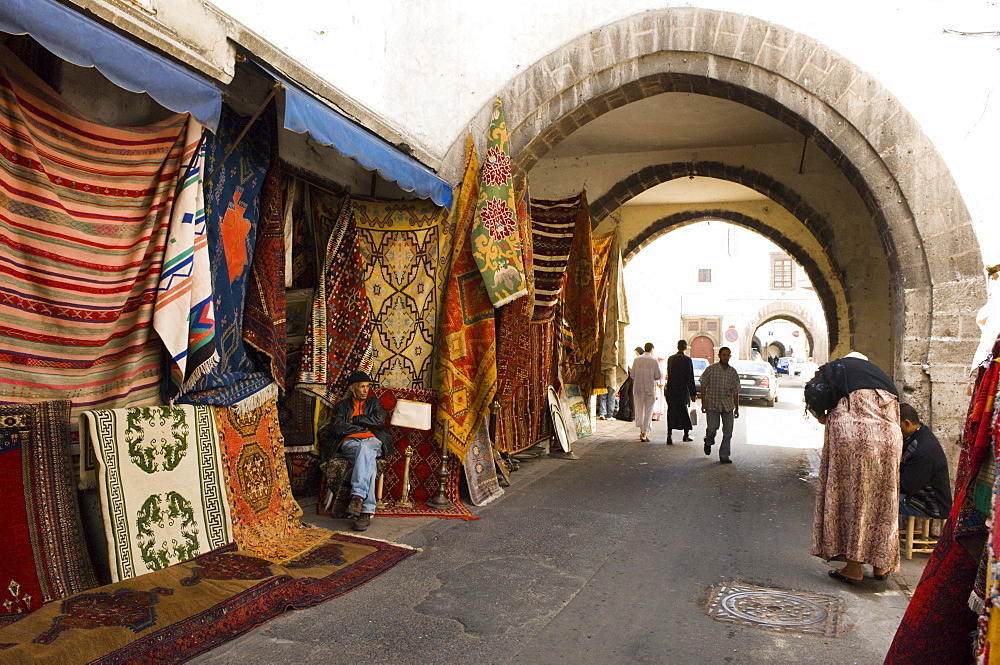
(645, 374)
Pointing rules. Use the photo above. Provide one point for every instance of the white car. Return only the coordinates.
(700, 365)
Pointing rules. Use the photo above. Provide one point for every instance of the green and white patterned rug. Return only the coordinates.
(163, 496)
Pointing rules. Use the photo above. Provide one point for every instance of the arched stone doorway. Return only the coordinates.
(703, 347)
(815, 328)
(879, 202)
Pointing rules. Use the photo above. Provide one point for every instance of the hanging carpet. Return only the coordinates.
(614, 354)
(184, 316)
(405, 250)
(264, 310)
(84, 212)
(938, 621)
(341, 328)
(42, 553)
(266, 519)
(514, 349)
(543, 375)
(467, 361)
(162, 491)
(581, 310)
(602, 246)
(175, 614)
(495, 236)
(553, 223)
(232, 213)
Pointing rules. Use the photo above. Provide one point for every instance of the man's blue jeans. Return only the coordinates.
(363, 453)
(712, 426)
(603, 399)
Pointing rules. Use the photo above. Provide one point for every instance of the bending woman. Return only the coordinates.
(857, 500)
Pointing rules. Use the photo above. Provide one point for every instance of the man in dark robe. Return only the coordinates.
(680, 392)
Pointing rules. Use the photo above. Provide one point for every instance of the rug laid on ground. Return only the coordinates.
(425, 461)
(162, 492)
(495, 237)
(341, 327)
(405, 250)
(84, 212)
(233, 182)
(184, 316)
(175, 614)
(264, 310)
(42, 553)
(514, 350)
(553, 223)
(266, 519)
(480, 467)
(467, 361)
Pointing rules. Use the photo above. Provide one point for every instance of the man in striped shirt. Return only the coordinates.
(720, 401)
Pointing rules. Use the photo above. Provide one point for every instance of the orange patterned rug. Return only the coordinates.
(267, 521)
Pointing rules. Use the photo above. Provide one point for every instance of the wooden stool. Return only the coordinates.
(916, 537)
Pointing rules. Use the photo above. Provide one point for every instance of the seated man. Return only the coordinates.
(924, 487)
(357, 431)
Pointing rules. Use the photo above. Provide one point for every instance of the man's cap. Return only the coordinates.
(358, 376)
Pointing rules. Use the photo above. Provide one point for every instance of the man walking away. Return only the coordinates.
(720, 401)
(645, 374)
(924, 485)
(680, 392)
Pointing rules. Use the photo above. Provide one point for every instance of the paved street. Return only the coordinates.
(608, 559)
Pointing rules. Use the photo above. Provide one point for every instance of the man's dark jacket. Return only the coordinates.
(341, 424)
(923, 474)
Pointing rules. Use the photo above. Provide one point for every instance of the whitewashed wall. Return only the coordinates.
(428, 66)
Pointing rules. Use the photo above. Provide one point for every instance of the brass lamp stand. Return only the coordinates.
(441, 501)
(404, 499)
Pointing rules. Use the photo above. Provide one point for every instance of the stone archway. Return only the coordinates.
(915, 231)
(813, 326)
(821, 273)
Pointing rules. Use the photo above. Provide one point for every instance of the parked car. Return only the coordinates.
(757, 380)
(781, 366)
(700, 365)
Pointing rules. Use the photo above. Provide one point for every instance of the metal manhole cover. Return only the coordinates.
(776, 609)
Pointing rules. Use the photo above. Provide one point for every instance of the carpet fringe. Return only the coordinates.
(976, 604)
(255, 401)
(381, 540)
(204, 369)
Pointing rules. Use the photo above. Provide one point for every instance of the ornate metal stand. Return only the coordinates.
(441, 501)
(404, 499)
(379, 504)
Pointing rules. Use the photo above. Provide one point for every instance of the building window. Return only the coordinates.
(704, 274)
(782, 272)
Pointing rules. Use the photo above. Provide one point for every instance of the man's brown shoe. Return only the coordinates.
(354, 507)
(362, 522)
